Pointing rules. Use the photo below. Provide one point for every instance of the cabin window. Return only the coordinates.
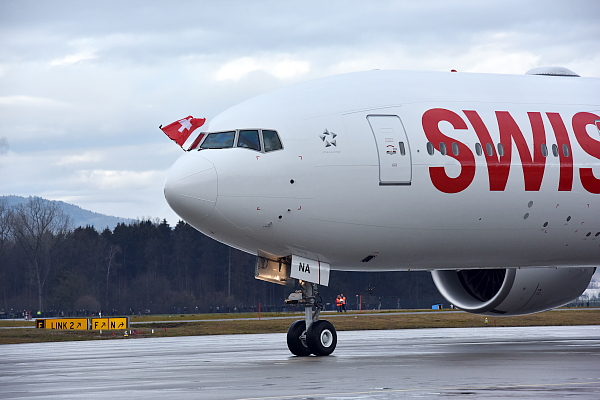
(478, 149)
(565, 150)
(489, 149)
(544, 150)
(271, 141)
(249, 139)
(455, 148)
(218, 140)
(430, 148)
(443, 148)
(402, 148)
(500, 149)
(555, 150)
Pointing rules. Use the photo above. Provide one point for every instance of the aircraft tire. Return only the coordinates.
(321, 338)
(295, 344)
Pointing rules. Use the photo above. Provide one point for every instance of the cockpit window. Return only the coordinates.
(271, 141)
(249, 139)
(262, 140)
(219, 140)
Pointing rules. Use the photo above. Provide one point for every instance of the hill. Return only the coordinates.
(79, 216)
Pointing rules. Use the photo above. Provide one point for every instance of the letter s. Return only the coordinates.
(589, 145)
(439, 178)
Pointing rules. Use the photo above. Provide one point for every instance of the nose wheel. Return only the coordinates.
(320, 338)
(296, 339)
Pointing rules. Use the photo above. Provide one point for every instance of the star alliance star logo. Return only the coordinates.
(329, 138)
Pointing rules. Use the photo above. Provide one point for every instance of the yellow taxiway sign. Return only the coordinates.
(71, 324)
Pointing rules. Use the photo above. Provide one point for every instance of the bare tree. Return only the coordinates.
(4, 226)
(110, 262)
(4, 246)
(38, 226)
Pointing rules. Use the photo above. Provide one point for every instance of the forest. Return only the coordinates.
(147, 266)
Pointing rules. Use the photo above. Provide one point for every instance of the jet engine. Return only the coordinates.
(512, 291)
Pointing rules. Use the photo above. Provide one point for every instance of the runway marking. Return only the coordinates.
(422, 390)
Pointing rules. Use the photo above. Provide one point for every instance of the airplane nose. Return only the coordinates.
(191, 187)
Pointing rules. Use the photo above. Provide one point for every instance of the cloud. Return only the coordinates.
(74, 58)
(127, 178)
(86, 157)
(4, 147)
(116, 180)
(30, 101)
(282, 67)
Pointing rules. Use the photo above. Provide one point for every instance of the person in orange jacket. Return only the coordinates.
(343, 301)
(338, 303)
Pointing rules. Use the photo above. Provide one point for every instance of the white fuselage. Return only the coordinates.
(344, 190)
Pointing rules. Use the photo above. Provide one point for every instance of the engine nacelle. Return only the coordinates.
(512, 291)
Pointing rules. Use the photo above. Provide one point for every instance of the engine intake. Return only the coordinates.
(512, 291)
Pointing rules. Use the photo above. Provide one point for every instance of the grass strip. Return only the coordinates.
(347, 322)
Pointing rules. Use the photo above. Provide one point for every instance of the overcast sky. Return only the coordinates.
(84, 85)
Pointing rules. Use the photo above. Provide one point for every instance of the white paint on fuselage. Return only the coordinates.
(336, 211)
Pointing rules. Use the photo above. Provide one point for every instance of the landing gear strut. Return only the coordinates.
(311, 335)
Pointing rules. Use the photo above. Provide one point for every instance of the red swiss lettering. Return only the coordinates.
(590, 146)
(533, 162)
(439, 178)
(565, 180)
(533, 179)
(497, 171)
(499, 167)
(533, 167)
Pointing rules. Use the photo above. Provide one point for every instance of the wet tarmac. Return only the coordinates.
(508, 363)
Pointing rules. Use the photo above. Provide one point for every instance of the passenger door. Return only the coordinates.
(395, 163)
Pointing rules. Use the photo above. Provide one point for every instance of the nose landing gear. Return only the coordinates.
(311, 335)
